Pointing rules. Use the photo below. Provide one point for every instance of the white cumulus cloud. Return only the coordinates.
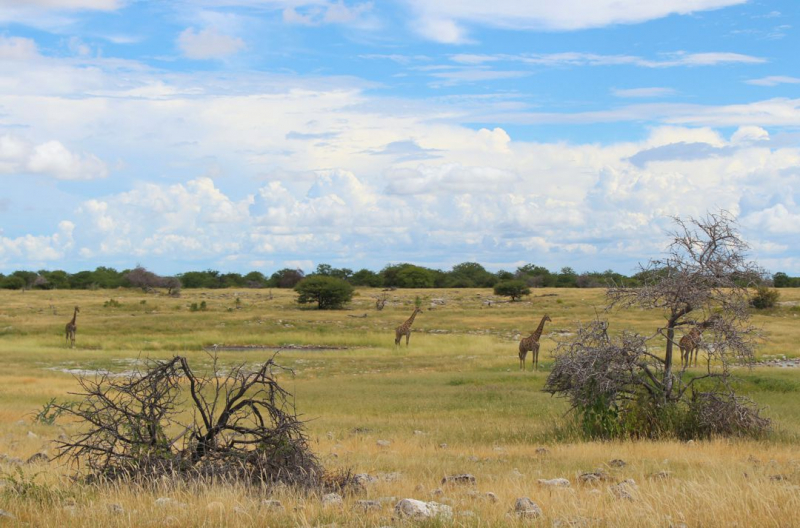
(208, 43)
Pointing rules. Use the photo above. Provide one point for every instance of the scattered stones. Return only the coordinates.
(442, 446)
(541, 451)
(618, 463)
(115, 508)
(367, 505)
(419, 433)
(272, 505)
(420, 510)
(491, 496)
(465, 478)
(332, 500)
(31, 434)
(527, 509)
(554, 483)
(38, 458)
(466, 513)
(6, 515)
(438, 492)
(383, 443)
(778, 478)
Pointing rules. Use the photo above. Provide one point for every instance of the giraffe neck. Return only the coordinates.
(538, 332)
(74, 317)
(411, 319)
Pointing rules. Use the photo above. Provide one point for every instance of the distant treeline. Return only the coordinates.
(465, 275)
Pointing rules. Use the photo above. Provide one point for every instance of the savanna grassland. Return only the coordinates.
(452, 402)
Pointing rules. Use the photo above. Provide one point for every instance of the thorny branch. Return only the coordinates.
(242, 426)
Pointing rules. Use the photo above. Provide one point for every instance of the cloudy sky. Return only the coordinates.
(259, 134)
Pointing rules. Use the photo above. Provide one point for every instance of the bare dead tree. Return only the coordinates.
(702, 281)
(167, 420)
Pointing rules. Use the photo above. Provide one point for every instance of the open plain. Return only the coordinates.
(453, 402)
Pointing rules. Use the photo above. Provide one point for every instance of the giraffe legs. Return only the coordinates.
(408, 336)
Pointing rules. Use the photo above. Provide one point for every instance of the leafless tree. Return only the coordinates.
(166, 420)
(703, 281)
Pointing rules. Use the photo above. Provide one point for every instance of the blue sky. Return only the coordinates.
(259, 134)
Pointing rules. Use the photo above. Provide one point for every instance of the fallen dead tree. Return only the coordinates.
(167, 420)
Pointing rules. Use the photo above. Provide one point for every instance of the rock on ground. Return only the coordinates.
(420, 510)
(464, 478)
(38, 458)
(554, 483)
(524, 507)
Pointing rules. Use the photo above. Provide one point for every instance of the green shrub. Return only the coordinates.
(512, 288)
(764, 298)
(329, 293)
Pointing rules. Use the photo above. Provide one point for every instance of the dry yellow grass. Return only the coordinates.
(457, 384)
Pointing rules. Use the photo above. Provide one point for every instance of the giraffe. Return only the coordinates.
(531, 344)
(380, 302)
(71, 328)
(405, 328)
(690, 343)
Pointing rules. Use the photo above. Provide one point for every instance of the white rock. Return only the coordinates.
(554, 483)
(420, 510)
(115, 508)
(383, 443)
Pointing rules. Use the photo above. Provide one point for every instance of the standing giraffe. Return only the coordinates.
(405, 328)
(531, 344)
(71, 328)
(690, 343)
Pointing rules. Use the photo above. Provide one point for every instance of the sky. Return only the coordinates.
(248, 135)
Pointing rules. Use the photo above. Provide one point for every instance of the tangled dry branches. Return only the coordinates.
(168, 420)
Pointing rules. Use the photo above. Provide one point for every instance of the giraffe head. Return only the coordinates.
(77, 309)
(547, 318)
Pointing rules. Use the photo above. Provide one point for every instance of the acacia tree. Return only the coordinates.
(702, 281)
